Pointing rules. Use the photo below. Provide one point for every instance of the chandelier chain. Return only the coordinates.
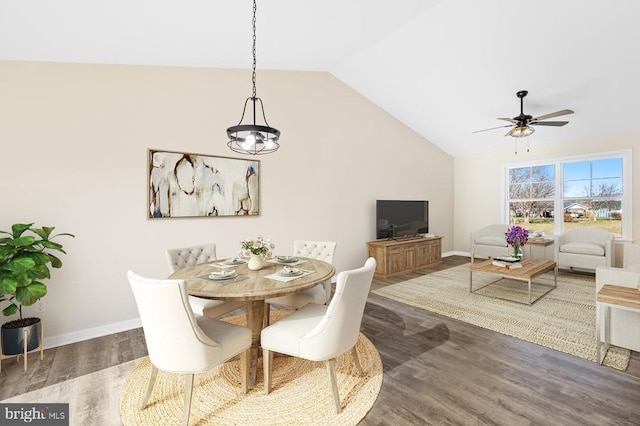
(253, 75)
(254, 138)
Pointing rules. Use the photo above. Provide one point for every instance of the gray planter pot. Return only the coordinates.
(13, 338)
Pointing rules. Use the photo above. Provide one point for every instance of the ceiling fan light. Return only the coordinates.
(522, 131)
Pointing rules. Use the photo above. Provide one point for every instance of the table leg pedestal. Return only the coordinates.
(255, 317)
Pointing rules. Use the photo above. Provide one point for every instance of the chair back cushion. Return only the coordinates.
(319, 250)
(182, 257)
(175, 342)
(338, 330)
(586, 235)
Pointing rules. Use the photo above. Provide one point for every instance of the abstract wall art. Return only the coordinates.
(196, 185)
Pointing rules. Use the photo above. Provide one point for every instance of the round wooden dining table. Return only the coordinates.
(253, 287)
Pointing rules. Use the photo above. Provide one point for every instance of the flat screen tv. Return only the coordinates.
(400, 219)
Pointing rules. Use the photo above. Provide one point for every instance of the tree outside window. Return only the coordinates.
(592, 195)
(531, 197)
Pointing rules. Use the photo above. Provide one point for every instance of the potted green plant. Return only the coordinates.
(25, 258)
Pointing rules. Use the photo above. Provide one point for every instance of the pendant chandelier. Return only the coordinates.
(253, 139)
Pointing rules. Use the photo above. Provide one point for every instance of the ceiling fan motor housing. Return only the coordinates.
(521, 124)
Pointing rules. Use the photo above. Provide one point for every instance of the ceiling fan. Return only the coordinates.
(521, 125)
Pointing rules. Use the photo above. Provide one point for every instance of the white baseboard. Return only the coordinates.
(456, 253)
(90, 333)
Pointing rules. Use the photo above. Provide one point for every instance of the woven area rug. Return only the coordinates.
(300, 395)
(564, 319)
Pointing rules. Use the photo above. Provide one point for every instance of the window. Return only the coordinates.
(595, 193)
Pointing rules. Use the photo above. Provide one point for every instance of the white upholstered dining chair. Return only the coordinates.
(179, 341)
(188, 256)
(319, 250)
(322, 332)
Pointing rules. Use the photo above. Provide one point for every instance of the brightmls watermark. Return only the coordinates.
(35, 414)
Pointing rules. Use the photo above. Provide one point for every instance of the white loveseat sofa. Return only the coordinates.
(624, 326)
(584, 248)
(489, 241)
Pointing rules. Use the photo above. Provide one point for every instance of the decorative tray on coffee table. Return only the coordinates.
(507, 259)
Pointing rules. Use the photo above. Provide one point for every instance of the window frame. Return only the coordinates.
(558, 223)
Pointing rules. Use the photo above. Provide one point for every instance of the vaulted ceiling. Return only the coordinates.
(445, 68)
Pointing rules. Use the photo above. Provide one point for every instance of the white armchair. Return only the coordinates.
(489, 241)
(585, 248)
(624, 326)
(320, 332)
(188, 256)
(178, 341)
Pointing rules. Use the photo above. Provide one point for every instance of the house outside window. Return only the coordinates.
(563, 194)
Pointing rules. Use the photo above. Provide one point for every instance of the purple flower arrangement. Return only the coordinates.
(517, 235)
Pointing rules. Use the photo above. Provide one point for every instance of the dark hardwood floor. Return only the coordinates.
(436, 371)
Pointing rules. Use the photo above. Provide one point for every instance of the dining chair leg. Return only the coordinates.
(188, 390)
(331, 369)
(267, 362)
(327, 291)
(152, 381)
(356, 360)
(245, 357)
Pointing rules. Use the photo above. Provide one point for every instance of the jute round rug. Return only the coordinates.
(300, 395)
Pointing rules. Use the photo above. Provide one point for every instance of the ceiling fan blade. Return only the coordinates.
(549, 123)
(509, 119)
(493, 128)
(553, 114)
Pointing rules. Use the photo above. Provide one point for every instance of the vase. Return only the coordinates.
(256, 262)
(516, 249)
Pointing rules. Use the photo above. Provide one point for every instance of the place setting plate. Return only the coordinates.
(223, 275)
(290, 272)
(286, 259)
(230, 263)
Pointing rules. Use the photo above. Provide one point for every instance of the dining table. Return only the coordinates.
(206, 280)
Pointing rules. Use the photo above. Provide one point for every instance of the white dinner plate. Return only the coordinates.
(234, 261)
(287, 259)
(218, 276)
(290, 273)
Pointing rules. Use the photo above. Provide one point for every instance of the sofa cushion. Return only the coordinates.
(583, 248)
(491, 241)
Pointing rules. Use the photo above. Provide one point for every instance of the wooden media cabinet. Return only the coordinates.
(398, 256)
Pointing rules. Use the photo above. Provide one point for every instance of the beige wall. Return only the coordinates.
(478, 180)
(74, 142)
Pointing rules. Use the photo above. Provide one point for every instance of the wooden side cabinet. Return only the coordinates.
(395, 257)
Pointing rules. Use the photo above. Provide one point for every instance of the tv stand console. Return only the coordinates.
(395, 257)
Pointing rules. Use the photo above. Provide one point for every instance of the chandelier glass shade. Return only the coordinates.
(253, 138)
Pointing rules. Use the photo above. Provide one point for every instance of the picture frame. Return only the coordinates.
(197, 185)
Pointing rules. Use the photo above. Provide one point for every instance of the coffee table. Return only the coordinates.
(531, 268)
